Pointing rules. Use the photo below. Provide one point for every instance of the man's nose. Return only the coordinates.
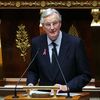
(52, 26)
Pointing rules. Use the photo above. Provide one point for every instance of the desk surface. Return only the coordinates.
(92, 88)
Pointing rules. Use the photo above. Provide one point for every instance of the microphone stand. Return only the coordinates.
(68, 92)
(15, 92)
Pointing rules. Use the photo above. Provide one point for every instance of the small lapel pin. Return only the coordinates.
(44, 52)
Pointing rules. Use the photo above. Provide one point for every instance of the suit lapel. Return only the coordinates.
(53, 71)
(63, 50)
(45, 53)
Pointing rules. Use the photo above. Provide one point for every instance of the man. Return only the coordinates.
(71, 57)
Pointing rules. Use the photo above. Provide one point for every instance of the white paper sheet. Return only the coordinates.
(13, 86)
(89, 87)
(71, 94)
(58, 94)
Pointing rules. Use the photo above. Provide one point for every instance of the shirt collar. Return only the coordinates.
(57, 41)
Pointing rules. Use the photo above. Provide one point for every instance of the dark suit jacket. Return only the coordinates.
(72, 59)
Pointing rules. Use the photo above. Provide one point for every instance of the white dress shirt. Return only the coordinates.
(57, 42)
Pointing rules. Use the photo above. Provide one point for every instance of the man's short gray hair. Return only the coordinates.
(48, 12)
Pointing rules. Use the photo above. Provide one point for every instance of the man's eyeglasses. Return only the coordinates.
(48, 25)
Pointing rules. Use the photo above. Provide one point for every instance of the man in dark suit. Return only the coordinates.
(71, 56)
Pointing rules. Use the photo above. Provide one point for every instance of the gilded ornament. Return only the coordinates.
(18, 4)
(68, 3)
(73, 31)
(30, 3)
(43, 3)
(63, 3)
(5, 4)
(22, 41)
(56, 3)
(94, 3)
(36, 4)
(81, 3)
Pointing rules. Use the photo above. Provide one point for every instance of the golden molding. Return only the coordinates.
(40, 4)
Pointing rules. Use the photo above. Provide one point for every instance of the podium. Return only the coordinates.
(82, 96)
(26, 96)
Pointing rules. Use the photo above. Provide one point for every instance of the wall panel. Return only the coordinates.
(13, 65)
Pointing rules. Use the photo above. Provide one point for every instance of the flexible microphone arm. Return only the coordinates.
(15, 92)
(68, 92)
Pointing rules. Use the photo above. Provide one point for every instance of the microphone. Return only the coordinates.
(68, 92)
(15, 90)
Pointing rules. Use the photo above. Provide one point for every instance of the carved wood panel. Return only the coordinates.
(15, 12)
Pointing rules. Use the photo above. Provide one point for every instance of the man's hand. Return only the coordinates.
(30, 84)
(29, 90)
(61, 87)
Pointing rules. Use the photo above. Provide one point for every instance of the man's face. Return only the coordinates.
(52, 26)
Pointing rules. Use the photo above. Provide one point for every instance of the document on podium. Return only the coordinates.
(36, 92)
(13, 86)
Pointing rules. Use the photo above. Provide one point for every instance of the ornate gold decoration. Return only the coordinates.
(22, 40)
(73, 30)
(17, 4)
(96, 14)
(95, 3)
(68, 3)
(50, 3)
(43, 3)
(96, 17)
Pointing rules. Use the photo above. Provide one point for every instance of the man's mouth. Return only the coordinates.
(53, 32)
